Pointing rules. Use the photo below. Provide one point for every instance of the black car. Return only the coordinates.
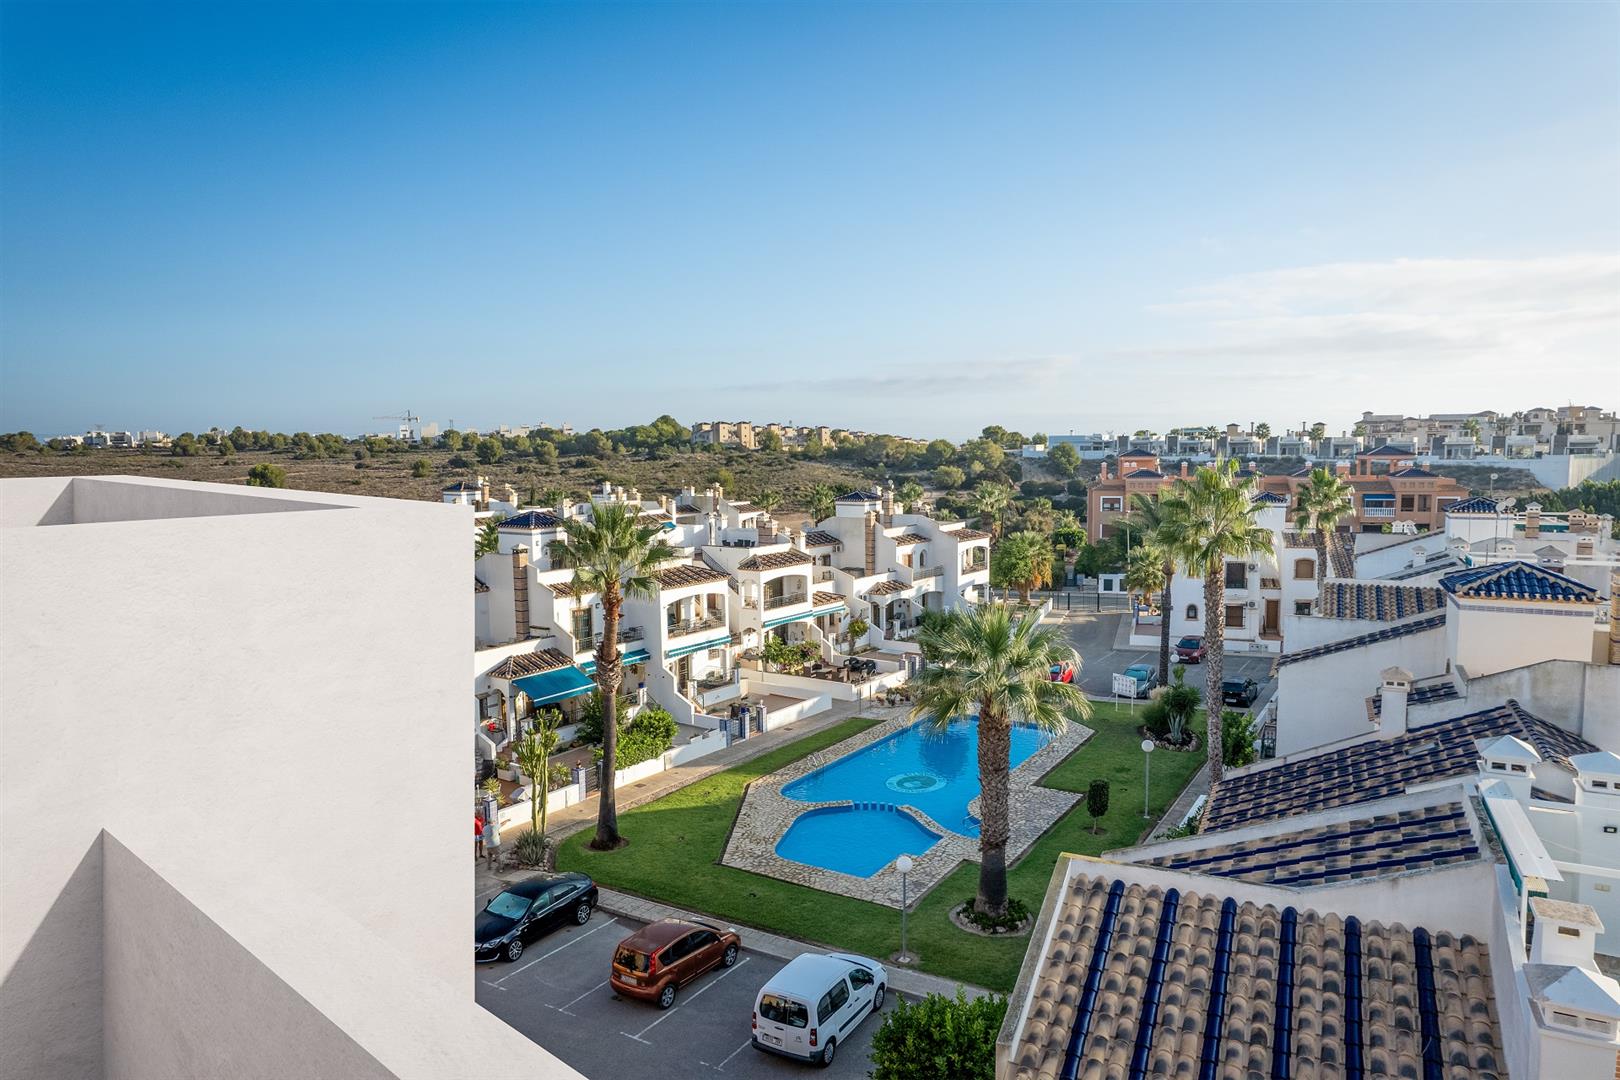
(524, 911)
(1239, 692)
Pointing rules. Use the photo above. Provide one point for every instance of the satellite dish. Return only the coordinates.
(1506, 504)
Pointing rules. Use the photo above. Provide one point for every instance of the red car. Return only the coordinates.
(1190, 650)
(1063, 672)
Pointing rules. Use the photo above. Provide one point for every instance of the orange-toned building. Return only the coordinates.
(1109, 497)
(1389, 486)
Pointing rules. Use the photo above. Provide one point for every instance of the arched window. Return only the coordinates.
(1192, 612)
(1304, 569)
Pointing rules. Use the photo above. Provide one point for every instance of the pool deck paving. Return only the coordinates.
(767, 814)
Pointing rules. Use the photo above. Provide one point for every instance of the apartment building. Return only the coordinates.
(750, 436)
(1390, 488)
(211, 897)
(1108, 498)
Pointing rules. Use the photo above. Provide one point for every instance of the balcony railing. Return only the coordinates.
(626, 633)
(785, 600)
(974, 568)
(693, 626)
(1378, 511)
(923, 573)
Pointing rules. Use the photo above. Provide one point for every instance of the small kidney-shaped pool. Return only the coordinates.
(935, 771)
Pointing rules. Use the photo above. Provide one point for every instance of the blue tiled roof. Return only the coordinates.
(1379, 768)
(1414, 471)
(1378, 601)
(1419, 695)
(1479, 504)
(1144, 474)
(1516, 581)
(1399, 630)
(462, 485)
(1271, 498)
(532, 519)
(1420, 838)
(859, 496)
(1387, 451)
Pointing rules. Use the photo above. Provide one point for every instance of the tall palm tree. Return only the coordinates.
(985, 661)
(768, 500)
(823, 502)
(1324, 501)
(1022, 561)
(489, 539)
(910, 495)
(613, 556)
(1209, 518)
(1147, 519)
(990, 501)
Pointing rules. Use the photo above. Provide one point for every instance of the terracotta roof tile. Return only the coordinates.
(908, 538)
(884, 588)
(817, 538)
(822, 599)
(1378, 600)
(969, 534)
(683, 574)
(775, 560)
(534, 663)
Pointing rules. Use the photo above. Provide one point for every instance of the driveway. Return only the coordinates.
(558, 995)
(1094, 636)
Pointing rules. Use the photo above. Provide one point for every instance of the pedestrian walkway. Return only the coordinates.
(901, 980)
(1198, 785)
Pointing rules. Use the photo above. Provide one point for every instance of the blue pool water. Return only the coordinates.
(821, 837)
(935, 771)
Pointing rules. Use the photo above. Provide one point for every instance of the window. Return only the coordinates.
(1112, 503)
(838, 996)
(703, 939)
(1600, 783)
(1234, 615)
(1601, 886)
(860, 977)
(1237, 575)
(1499, 766)
(1568, 931)
(1302, 607)
(1304, 569)
(1192, 612)
(779, 1010)
(1518, 768)
(630, 960)
(1408, 504)
(508, 905)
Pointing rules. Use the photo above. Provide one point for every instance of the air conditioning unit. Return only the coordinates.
(1250, 604)
(1254, 566)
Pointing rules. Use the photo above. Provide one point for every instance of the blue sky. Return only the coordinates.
(899, 217)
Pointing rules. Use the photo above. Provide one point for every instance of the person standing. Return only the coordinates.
(478, 835)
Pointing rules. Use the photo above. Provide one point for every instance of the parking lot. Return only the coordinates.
(557, 994)
(1094, 636)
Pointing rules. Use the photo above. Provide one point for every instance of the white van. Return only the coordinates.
(815, 1003)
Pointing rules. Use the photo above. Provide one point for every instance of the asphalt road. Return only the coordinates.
(558, 995)
(1093, 636)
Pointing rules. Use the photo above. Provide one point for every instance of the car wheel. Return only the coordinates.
(730, 956)
(666, 996)
(582, 914)
(828, 1054)
(877, 998)
(514, 948)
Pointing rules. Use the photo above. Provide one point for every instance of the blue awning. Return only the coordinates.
(550, 687)
(634, 656)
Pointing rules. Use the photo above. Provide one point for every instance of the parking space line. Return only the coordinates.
(554, 952)
(722, 1066)
(715, 982)
(564, 1008)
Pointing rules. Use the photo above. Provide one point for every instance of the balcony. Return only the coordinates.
(923, 573)
(976, 568)
(785, 600)
(626, 633)
(713, 621)
(1378, 513)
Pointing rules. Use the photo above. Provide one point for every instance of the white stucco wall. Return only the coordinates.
(1485, 637)
(1324, 700)
(207, 731)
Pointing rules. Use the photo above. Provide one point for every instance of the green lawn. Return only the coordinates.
(676, 843)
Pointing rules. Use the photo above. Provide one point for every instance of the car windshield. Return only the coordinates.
(1234, 684)
(630, 960)
(508, 905)
(1189, 643)
(782, 1011)
(1137, 672)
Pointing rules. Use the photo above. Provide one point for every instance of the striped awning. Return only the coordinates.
(550, 687)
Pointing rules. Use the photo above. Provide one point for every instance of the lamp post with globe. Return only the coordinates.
(903, 864)
(1147, 775)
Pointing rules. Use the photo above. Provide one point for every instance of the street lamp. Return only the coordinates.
(903, 864)
(1147, 775)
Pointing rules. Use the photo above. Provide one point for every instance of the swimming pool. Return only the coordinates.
(935, 771)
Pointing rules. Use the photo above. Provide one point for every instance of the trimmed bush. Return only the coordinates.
(648, 735)
(939, 1037)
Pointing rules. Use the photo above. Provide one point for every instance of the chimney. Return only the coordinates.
(799, 539)
(714, 528)
(871, 542)
(1392, 692)
(719, 492)
(1532, 521)
(566, 507)
(1102, 470)
(888, 507)
(1566, 934)
(1183, 470)
(1510, 762)
(520, 591)
(1614, 619)
(483, 493)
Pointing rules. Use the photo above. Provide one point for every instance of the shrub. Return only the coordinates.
(649, 735)
(267, 475)
(1007, 922)
(939, 1037)
(1097, 803)
(1237, 739)
(530, 850)
(421, 468)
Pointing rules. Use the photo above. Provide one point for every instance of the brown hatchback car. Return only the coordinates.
(655, 961)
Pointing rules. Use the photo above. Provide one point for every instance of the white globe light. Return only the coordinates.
(1147, 746)
(903, 864)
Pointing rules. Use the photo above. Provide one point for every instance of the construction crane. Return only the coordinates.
(408, 417)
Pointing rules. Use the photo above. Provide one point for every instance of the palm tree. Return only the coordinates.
(489, 539)
(910, 495)
(1324, 501)
(1209, 518)
(985, 661)
(1144, 577)
(613, 556)
(990, 501)
(1146, 519)
(553, 496)
(534, 758)
(823, 502)
(768, 500)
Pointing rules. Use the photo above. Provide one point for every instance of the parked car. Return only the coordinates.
(522, 912)
(657, 960)
(815, 1002)
(1190, 650)
(1145, 678)
(1062, 672)
(1239, 692)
